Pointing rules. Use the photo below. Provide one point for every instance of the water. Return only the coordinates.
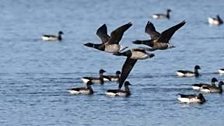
(35, 75)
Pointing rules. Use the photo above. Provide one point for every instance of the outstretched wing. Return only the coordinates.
(151, 30)
(167, 34)
(102, 33)
(117, 34)
(126, 69)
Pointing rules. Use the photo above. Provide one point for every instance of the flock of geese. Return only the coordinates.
(157, 41)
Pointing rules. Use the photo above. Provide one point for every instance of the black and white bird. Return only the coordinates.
(188, 73)
(110, 43)
(82, 90)
(162, 15)
(213, 88)
(53, 37)
(132, 56)
(115, 77)
(192, 98)
(198, 86)
(215, 21)
(96, 80)
(159, 40)
(119, 92)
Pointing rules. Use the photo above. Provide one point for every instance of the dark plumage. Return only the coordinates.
(159, 40)
(198, 86)
(99, 80)
(82, 90)
(132, 56)
(187, 73)
(162, 16)
(109, 43)
(118, 92)
(191, 98)
(53, 37)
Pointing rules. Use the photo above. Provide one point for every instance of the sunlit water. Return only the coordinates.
(35, 75)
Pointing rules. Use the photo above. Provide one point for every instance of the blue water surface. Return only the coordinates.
(35, 75)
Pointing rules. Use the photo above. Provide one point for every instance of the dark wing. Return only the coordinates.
(198, 85)
(49, 36)
(187, 96)
(126, 69)
(167, 34)
(117, 34)
(113, 90)
(185, 71)
(78, 89)
(102, 33)
(151, 30)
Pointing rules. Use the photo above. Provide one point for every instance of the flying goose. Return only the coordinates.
(159, 40)
(132, 56)
(110, 43)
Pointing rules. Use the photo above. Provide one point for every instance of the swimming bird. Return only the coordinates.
(113, 77)
(132, 56)
(110, 43)
(82, 90)
(215, 21)
(159, 40)
(221, 71)
(192, 98)
(187, 73)
(118, 92)
(53, 37)
(99, 80)
(213, 88)
(162, 16)
(198, 86)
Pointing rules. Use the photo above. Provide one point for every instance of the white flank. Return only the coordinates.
(110, 94)
(73, 92)
(221, 71)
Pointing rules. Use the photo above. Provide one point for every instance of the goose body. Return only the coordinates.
(198, 86)
(82, 90)
(187, 73)
(96, 80)
(183, 98)
(221, 71)
(53, 37)
(215, 21)
(110, 43)
(213, 88)
(119, 92)
(159, 40)
(132, 56)
(113, 77)
(162, 16)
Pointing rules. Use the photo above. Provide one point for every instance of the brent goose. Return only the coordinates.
(53, 37)
(215, 21)
(82, 90)
(198, 86)
(118, 92)
(187, 73)
(99, 80)
(162, 16)
(212, 88)
(132, 56)
(159, 40)
(221, 71)
(191, 98)
(110, 43)
(113, 77)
